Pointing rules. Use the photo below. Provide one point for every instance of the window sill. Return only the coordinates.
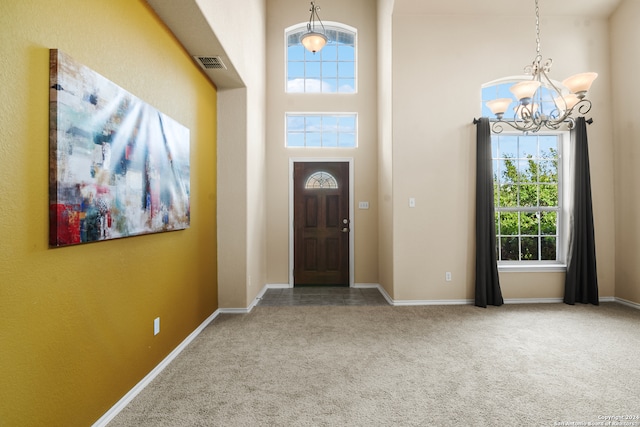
(531, 268)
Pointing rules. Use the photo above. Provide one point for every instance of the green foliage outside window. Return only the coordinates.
(526, 195)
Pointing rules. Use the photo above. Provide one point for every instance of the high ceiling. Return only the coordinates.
(192, 29)
(506, 7)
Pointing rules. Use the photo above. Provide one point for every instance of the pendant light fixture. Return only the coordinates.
(562, 101)
(313, 41)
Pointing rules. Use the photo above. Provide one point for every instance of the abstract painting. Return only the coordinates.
(117, 166)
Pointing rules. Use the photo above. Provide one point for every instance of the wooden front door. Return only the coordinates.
(321, 223)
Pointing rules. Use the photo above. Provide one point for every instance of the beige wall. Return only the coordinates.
(385, 146)
(360, 14)
(76, 323)
(436, 95)
(240, 28)
(625, 60)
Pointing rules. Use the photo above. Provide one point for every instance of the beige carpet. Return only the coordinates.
(515, 365)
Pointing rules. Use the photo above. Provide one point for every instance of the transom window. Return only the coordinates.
(321, 130)
(331, 70)
(527, 196)
(321, 180)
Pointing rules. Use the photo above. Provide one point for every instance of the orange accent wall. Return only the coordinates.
(76, 323)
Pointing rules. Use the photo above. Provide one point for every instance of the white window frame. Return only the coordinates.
(564, 211)
(332, 25)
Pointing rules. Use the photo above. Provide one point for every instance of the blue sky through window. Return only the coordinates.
(331, 70)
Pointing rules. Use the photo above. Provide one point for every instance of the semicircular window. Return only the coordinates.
(321, 180)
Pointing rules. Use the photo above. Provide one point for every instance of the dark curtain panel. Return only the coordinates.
(487, 281)
(581, 284)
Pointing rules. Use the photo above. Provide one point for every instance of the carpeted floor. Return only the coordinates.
(515, 365)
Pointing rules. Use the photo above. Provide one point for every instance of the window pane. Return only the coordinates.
(529, 195)
(346, 85)
(295, 52)
(313, 123)
(312, 86)
(509, 223)
(548, 171)
(314, 139)
(329, 139)
(346, 53)
(329, 52)
(529, 223)
(295, 70)
(295, 85)
(549, 251)
(548, 195)
(508, 147)
(529, 249)
(295, 123)
(548, 146)
(329, 69)
(295, 139)
(508, 196)
(312, 70)
(347, 123)
(509, 249)
(329, 85)
(347, 139)
(329, 124)
(528, 147)
(346, 69)
(548, 224)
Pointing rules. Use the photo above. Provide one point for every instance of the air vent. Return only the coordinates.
(210, 62)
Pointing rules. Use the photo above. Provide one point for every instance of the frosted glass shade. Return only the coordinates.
(580, 83)
(313, 41)
(499, 106)
(524, 91)
(570, 100)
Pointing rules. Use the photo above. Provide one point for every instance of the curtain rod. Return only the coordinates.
(475, 121)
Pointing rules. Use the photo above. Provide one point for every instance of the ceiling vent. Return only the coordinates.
(210, 62)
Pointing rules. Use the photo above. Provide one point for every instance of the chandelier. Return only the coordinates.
(313, 41)
(540, 92)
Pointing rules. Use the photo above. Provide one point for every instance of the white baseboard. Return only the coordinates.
(276, 286)
(367, 285)
(627, 303)
(532, 300)
(122, 403)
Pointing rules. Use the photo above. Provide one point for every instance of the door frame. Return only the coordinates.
(349, 160)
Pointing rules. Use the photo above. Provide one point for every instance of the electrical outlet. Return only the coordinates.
(412, 202)
(156, 326)
(447, 276)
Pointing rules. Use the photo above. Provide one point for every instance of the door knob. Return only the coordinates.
(345, 229)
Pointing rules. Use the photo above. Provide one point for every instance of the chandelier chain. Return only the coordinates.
(537, 28)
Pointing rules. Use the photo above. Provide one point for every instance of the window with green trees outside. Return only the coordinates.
(527, 197)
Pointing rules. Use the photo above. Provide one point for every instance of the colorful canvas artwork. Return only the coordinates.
(118, 167)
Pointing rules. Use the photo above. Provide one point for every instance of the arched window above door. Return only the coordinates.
(321, 179)
(331, 70)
